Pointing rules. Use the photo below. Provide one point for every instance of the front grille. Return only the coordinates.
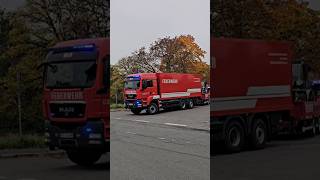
(131, 96)
(67, 110)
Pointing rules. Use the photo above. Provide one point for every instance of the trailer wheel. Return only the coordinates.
(258, 134)
(152, 109)
(234, 136)
(190, 104)
(83, 158)
(136, 111)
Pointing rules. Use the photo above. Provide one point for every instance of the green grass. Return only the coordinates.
(116, 106)
(26, 141)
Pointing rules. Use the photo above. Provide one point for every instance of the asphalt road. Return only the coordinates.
(289, 158)
(50, 168)
(166, 146)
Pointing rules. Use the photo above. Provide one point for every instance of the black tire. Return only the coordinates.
(152, 108)
(317, 126)
(183, 105)
(234, 136)
(313, 131)
(136, 111)
(258, 134)
(83, 158)
(190, 104)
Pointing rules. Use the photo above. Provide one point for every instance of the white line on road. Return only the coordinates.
(162, 138)
(172, 124)
(131, 133)
(141, 121)
(118, 118)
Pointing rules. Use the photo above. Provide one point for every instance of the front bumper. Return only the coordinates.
(88, 136)
(133, 104)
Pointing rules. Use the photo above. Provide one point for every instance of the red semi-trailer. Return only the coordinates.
(76, 98)
(152, 91)
(258, 91)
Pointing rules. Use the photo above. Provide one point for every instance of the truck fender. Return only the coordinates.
(153, 99)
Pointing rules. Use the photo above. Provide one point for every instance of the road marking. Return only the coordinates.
(162, 138)
(131, 133)
(172, 124)
(141, 121)
(118, 118)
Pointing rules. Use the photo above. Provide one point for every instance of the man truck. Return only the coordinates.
(152, 91)
(259, 91)
(76, 99)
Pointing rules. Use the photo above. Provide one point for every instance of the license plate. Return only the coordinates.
(66, 135)
(130, 104)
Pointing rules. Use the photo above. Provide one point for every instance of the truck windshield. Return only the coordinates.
(135, 84)
(71, 74)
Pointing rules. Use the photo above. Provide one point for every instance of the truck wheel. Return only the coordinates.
(152, 109)
(183, 105)
(190, 104)
(317, 126)
(258, 134)
(234, 136)
(83, 158)
(136, 111)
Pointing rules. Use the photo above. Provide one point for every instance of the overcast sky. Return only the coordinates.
(140, 22)
(315, 4)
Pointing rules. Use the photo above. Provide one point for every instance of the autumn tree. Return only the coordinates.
(178, 54)
(116, 84)
(64, 20)
(139, 61)
(285, 20)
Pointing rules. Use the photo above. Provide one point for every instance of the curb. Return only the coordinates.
(30, 155)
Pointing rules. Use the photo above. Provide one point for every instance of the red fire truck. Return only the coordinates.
(76, 99)
(152, 91)
(259, 91)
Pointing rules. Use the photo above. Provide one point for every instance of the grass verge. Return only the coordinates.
(12, 141)
(117, 106)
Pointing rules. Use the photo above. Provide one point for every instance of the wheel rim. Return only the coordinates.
(260, 134)
(153, 109)
(234, 136)
(183, 105)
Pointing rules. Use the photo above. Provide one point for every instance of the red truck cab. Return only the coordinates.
(76, 98)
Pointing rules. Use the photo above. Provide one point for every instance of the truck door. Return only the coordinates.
(149, 88)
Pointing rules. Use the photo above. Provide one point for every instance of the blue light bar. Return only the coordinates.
(83, 47)
(316, 82)
(134, 77)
